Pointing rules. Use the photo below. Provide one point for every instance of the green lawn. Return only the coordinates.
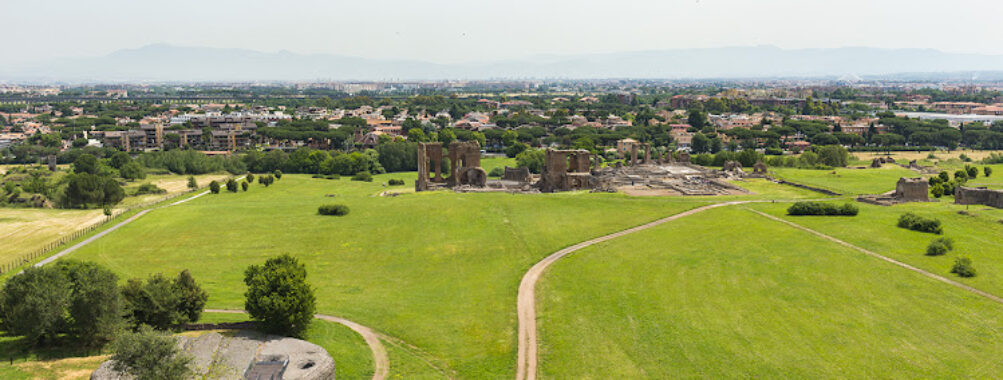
(848, 181)
(978, 235)
(753, 298)
(438, 270)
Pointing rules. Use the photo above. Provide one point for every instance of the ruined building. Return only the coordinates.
(464, 166)
(912, 190)
(978, 196)
(566, 170)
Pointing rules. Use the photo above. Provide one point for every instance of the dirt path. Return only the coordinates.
(885, 258)
(526, 367)
(381, 363)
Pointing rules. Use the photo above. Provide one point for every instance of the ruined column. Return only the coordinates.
(633, 154)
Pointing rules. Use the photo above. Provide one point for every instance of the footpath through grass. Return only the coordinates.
(438, 270)
(730, 294)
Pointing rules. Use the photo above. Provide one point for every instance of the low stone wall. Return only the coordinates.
(978, 196)
(806, 187)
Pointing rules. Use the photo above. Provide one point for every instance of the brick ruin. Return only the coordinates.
(464, 166)
(978, 196)
(570, 170)
(906, 190)
(912, 190)
(567, 170)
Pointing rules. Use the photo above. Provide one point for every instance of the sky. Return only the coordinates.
(476, 30)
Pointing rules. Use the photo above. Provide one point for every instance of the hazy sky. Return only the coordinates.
(474, 30)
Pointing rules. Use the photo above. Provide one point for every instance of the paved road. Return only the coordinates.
(526, 367)
(381, 363)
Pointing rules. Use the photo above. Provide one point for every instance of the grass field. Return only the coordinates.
(848, 181)
(745, 301)
(24, 230)
(438, 270)
(978, 235)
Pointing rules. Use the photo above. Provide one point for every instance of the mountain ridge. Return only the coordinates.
(165, 62)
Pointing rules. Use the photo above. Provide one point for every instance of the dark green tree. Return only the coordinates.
(33, 304)
(95, 307)
(279, 297)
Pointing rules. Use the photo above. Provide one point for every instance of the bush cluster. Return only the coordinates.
(963, 267)
(149, 188)
(362, 176)
(395, 182)
(266, 180)
(918, 223)
(496, 172)
(939, 246)
(334, 209)
(279, 296)
(821, 208)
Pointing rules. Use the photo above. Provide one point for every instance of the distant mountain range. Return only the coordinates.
(165, 63)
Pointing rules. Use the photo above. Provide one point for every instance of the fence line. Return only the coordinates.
(52, 245)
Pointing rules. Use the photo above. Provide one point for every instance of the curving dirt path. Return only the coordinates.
(937, 277)
(526, 367)
(381, 363)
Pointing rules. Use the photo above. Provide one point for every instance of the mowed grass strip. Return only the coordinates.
(730, 294)
(438, 270)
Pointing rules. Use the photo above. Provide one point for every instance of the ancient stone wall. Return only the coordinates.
(912, 190)
(978, 196)
(516, 174)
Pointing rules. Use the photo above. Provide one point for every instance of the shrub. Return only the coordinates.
(965, 158)
(362, 176)
(214, 187)
(244, 185)
(963, 267)
(149, 188)
(918, 223)
(496, 172)
(277, 174)
(192, 183)
(147, 354)
(821, 208)
(338, 210)
(279, 297)
(961, 175)
(937, 190)
(936, 248)
(972, 171)
(395, 182)
(987, 171)
(231, 185)
(250, 177)
(266, 180)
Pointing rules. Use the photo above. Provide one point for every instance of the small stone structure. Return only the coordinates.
(246, 355)
(516, 174)
(759, 168)
(912, 190)
(684, 157)
(732, 166)
(978, 196)
(876, 163)
(906, 190)
(464, 164)
(566, 170)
